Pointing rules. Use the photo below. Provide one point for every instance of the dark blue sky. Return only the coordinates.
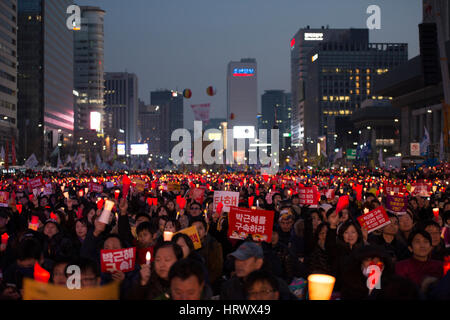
(188, 43)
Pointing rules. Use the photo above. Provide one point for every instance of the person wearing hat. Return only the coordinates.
(248, 257)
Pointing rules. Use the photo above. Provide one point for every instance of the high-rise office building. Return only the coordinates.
(276, 114)
(170, 103)
(45, 77)
(8, 71)
(242, 93)
(88, 48)
(121, 100)
(340, 76)
(301, 45)
(149, 126)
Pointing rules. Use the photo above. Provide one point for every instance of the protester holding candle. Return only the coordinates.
(153, 282)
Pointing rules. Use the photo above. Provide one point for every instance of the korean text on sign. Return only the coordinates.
(118, 260)
(307, 196)
(245, 222)
(374, 219)
(228, 199)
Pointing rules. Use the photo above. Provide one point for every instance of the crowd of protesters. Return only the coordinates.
(411, 251)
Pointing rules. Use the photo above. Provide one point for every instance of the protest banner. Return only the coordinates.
(35, 183)
(192, 233)
(4, 198)
(308, 196)
(173, 186)
(95, 188)
(243, 222)
(374, 219)
(118, 260)
(396, 204)
(34, 290)
(197, 194)
(228, 199)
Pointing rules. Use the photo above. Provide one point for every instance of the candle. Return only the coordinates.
(86, 190)
(5, 238)
(436, 212)
(320, 286)
(106, 213)
(66, 195)
(19, 208)
(116, 194)
(257, 203)
(168, 235)
(148, 257)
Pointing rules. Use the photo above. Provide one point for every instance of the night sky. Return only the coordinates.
(178, 44)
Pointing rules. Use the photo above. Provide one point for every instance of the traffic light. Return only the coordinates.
(429, 53)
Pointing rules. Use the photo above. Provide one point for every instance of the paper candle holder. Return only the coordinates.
(320, 286)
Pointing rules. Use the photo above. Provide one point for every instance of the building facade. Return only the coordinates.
(149, 127)
(276, 114)
(170, 103)
(242, 93)
(88, 47)
(45, 78)
(301, 45)
(340, 77)
(121, 102)
(8, 72)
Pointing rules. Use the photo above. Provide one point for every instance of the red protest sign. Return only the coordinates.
(4, 197)
(422, 189)
(96, 188)
(343, 203)
(36, 183)
(374, 219)
(197, 194)
(118, 260)
(308, 196)
(329, 193)
(244, 222)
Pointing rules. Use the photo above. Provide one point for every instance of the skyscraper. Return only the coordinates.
(121, 100)
(88, 70)
(242, 96)
(170, 105)
(149, 126)
(301, 45)
(45, 77)
(8, 71)
(276, 114)
(340, 76)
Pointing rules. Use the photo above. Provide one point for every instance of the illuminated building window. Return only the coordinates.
(341, 111)
(331, 98)
(368, 71)
(357, 91)
(368, 84)
(325, 98)
(357, 78)
(351, 78)
(374, 98)
(380, 98)
(341, 98)
(357, 71)
(368, 91)
(357, 84)
(368, 78)
(351, 91)
(390, 98)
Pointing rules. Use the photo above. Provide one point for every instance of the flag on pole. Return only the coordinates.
(380, 158)
(7, 157)
(59, 164)
(425, 143)
(338, 154)
(31, 162)
(13, 152)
